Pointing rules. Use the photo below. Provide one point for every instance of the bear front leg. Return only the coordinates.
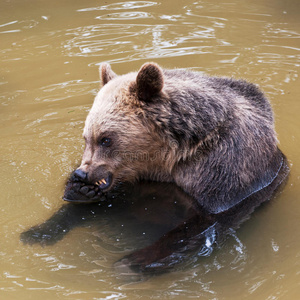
(59, 224)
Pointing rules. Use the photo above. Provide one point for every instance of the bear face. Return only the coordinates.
(214, 137)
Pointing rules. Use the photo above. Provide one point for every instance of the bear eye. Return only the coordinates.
(105, 142)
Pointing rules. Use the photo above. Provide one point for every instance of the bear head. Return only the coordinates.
(124, 138)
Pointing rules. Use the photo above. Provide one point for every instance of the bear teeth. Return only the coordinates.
(102, 181)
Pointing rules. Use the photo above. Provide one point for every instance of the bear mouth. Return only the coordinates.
(81, 192)
(104, 183)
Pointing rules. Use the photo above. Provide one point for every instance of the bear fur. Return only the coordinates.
(213, 137)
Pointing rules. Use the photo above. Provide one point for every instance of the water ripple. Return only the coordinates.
(125, 16)
(121, 5)
(138, 41)
(64, 90)
(24, 24)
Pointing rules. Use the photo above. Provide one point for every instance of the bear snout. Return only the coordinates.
(98, 176)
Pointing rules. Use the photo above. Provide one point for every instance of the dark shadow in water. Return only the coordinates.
(179, 227)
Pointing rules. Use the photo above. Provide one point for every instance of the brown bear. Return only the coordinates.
(205, 142)
(213, 137)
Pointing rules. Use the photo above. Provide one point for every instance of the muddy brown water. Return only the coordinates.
(49, 53)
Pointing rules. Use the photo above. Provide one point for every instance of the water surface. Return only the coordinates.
(50, 52)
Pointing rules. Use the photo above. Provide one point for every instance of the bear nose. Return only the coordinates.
(81, 175)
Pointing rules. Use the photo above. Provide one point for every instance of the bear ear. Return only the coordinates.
(149, 81)
(106, 73)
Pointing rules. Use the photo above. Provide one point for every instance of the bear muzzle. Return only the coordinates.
(89, 177)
